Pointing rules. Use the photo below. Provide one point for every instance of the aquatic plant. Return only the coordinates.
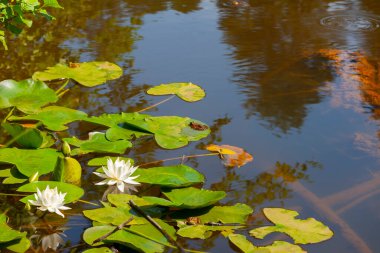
(41, 155)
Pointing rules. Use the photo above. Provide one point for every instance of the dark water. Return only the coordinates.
(296, 83)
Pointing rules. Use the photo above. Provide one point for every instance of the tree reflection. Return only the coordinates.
(265, 187)
(269, 40)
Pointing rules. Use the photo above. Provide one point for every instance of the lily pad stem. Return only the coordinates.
(157, 104)
(120, 227)
(179, 158)
(62, 87)
(156, 225)
(9, 114)
(88, 202)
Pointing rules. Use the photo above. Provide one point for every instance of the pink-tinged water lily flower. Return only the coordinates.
(119, 173)
(50, 200)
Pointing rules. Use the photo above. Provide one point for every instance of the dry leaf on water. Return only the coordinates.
(231, 156)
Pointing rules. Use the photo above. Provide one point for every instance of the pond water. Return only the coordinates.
(295, 83)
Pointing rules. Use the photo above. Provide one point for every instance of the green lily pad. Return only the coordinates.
(99, 250)
(28, 137)
(192, 198)
(170, 176)
(98, 143)
(11, 239)
(27, 95)
(203, 231)
(149, 231)
(171, 132)
(29, 161)
(73, 193)
(246, 246)
(227, 214)
(13, 176)
(122, 200)
(87, 73)
(123, 237)
(115, 132)
(113, 215)
(187, 91)
(54, 118)
(102, 161)
(302, 231)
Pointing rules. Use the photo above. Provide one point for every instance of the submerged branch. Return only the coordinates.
(156, 225)
(120, 227)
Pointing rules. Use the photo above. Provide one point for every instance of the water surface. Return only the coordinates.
(295, 83)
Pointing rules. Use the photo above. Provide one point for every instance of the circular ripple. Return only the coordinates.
(350, 23)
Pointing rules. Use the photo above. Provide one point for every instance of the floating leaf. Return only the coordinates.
(132, 240)
(170, 176)
(203, 231)
(152, 233)
(54, 118)
(28, 162)
(220, 150)
(27, 95)
(98, 143)
(12, 239)
(302, 231)
(87, 73)
(193, 197)
(239, 158)
(246, 246)
(187, 91)
(13, 176)
(113, 215)
(98, 250)
(102, 161)
(28, 137)
(227, 214)
(242, 243)
(170, 132)
(73, 192)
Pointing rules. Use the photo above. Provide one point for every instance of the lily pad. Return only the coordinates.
(73, 192)
(246, 246)
(27, 95)
(54, 118)
(192, 198)
(113, 215)
(29, 161)
(203, 231)
(87, 73)
(227, 214)
(171, 132)
(188, 92)
(99, 250)
(102, 161)
(99, 144)
(302, 231)
(170, 176)
(28, 136)
(11, 239)
(13, 176)
(123, 237)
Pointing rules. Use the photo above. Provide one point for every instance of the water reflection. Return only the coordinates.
(267, 186)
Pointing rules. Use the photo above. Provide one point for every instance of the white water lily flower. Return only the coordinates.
(118, 173)
(50, 200)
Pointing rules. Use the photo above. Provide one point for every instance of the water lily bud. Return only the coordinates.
(34, 177)
(66, 150)
(27, 206)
